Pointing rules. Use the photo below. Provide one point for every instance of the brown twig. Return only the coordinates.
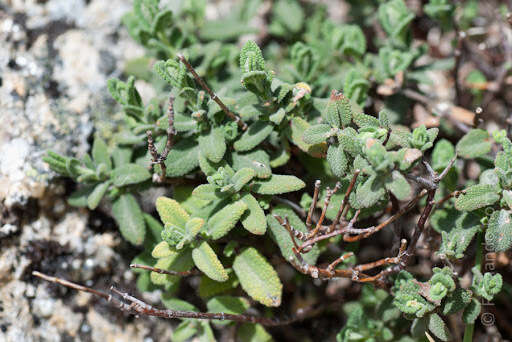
(162, 271)
(138, 307)
(214, 97)
(160, 158)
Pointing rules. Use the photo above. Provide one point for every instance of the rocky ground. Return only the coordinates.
(55, 59)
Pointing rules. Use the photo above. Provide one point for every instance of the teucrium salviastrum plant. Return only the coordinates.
(241, 144)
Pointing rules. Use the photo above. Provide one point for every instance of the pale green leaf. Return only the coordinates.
(207, 261)
(254, 218)
(225, 219)
(278, 184)
(127, 213)
(258, 278)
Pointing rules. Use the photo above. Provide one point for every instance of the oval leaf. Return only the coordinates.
(254, 218)
(474, 144)
(224, 220)
(129, 174)
(258, 278)
(171, 212)
(127, 213)
(477, 196)
(278, 184)
(206, 260)
(251, 138)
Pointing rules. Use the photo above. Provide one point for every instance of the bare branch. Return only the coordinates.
(138, 307)
(214, 97)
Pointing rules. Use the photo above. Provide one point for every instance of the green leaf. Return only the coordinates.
(162, 250)
(258, 278)
(477, 196)
(442, 154)
(474, 144)
(456, 301)
(79, 198)
(127, 213)
(251, 58)
(209, 287)
(248, 332)
(97, 194)
(213, 145)
(278, 184)
(437, 326)
(100, 153)
(398, 186)
(289, 14)
(498, 237)
(242, 177)
(254, 218)
(183, 158)
(206, 260)
(225, 219)
(337, 160)
(259, 161)
(369, 192)
(338, 112)
(255, 134)
(171, 212)
(178, 261)
(228, 304)
(128, 174)
(395, 18)
(317, 134)
(472, 311)
(209, 192)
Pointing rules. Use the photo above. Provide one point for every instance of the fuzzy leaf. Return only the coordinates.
(456, 301)
(242, 177)
(296, 134)
(442, 154)
(248, 332)
(171, 212)
(228, 304)
(438, 327)
(225, 219)
(127, 213)
(100, 153)
(337, 160)
(338, 112)
(255, 134)
(398, 186)
(259, 161)
(183, 158)
(97, 194)
(251, 58)
(472, 311)
(162, 250)
(477, 196)
(208, 192)
(474, 144)
(278, 184)
(254, 218)
(498, 237)
(317, 134)
(213, 145)
(206, 260)
(128, 174)
(177, 261)
(258, 278)
(369, 192)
